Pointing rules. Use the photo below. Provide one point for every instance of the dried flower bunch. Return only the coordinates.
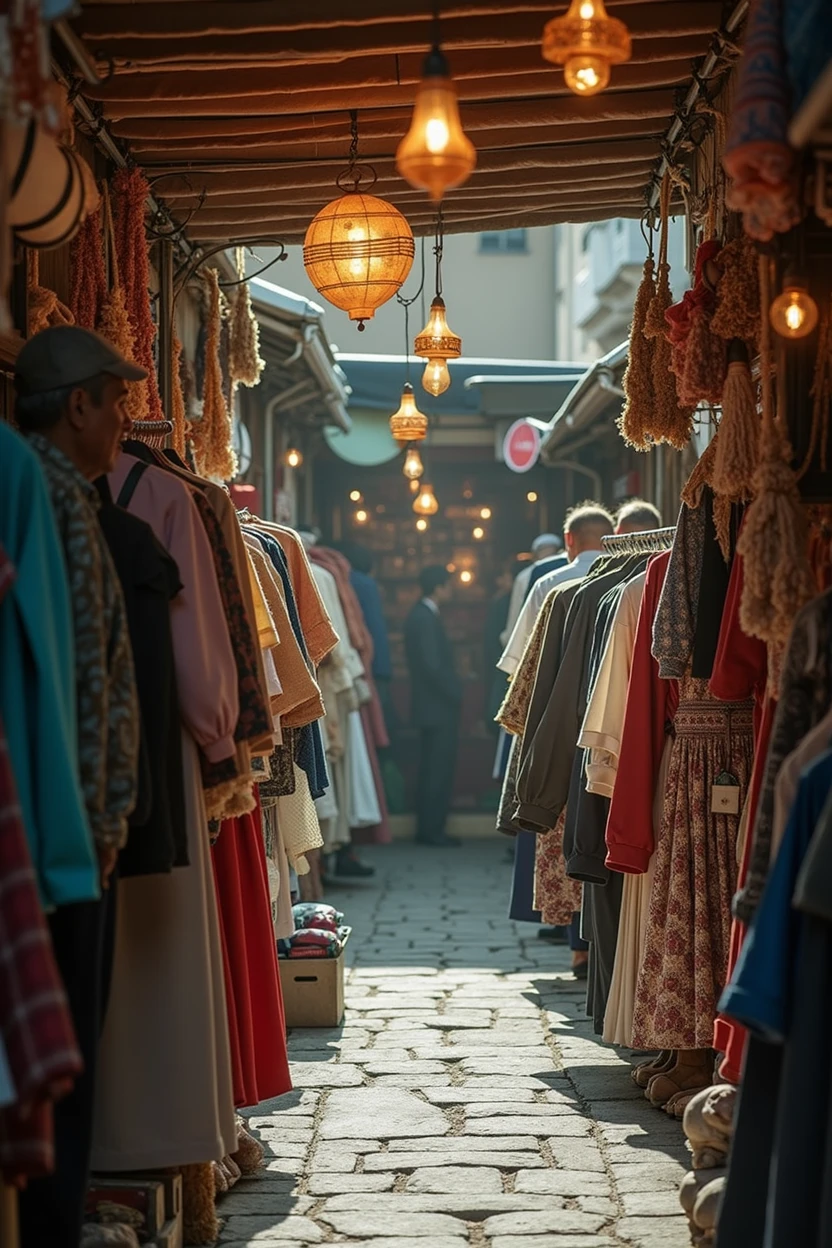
(212, 435)
(44, 306)
(89, 275)
(244, 363)
(639, 402)
(671, 422)
(131, 190)
(114, 320)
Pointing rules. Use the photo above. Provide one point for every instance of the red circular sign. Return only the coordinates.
(521, 446)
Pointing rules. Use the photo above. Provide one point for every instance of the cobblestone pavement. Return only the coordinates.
(465, 1100)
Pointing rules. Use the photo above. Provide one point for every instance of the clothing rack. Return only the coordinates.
(153, 432)
(647, 542)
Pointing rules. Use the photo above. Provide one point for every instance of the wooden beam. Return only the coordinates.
(162, 19)
(272, 177)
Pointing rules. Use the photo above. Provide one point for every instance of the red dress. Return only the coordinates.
(651, 704)
(256, 1024)
(740, 670)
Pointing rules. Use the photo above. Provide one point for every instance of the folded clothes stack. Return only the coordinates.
(318, 932)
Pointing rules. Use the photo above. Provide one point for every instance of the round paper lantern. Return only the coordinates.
(358, 251)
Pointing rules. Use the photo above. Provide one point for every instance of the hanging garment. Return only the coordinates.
(674, 625)
(297, 819)
(37, 1039)
(364, 808)
(689, 929)
(150, 581)
(164, 1093)
(556, 897)
(37, 680)
(781, 1144)
(257, 1026)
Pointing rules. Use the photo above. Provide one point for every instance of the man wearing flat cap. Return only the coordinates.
(71, 392)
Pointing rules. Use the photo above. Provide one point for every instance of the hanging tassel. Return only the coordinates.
(737, 313)
(245, 366)
(212, 436)
(723, 513)
(639, 403)
(739, 430)
(703, 372)
(669, 423)
(774, 540)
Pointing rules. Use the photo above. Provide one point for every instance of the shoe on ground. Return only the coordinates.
(554, 935)
(348, 867)
(581, 971)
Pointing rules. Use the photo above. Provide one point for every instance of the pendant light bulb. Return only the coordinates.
(293, 458)
(794, 313)
(426, 502)
(586, 42)
(437, 377)
(436, 154)
(413, 466)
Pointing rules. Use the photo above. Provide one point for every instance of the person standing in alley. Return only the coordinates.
(436, 696)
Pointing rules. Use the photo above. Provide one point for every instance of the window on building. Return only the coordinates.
(503, 241)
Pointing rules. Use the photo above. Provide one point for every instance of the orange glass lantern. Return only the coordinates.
(436, 154)
(408, 424)
(586, 42)
(437, 343)
(794, 313)
(357, 253)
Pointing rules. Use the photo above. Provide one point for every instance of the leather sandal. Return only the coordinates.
(644, 1072)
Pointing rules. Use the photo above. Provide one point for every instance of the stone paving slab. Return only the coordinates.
(465, 1102)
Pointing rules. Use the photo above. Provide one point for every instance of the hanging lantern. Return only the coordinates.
(413, 466)
(408, 424)
(794, 313)
(293, 458)
(426, 502)
(359, 249)
(436, 154)
(414, 485)
(437, 343)
(357, 252)
(586, 42)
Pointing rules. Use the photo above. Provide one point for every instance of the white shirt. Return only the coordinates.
(574, 571)
(515, 605)
(431, 605)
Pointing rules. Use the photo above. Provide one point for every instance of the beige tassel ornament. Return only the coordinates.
(737, 313)
(43, 305)
(639, 403)
(670, 422)
(778, 578)
(212, 435)
(244, 363)
(739, 429)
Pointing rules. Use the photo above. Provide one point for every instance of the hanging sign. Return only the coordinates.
(521, 446)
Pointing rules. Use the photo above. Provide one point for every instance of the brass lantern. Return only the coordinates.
(408, 424)
(357, 253)
(437, 343)
(586, 42)
(436, 154)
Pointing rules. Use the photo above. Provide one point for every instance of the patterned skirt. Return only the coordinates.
(685, 960)
(555, 895)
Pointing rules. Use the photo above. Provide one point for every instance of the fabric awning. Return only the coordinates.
(239, 111)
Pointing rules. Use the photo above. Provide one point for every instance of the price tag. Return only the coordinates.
(725, 795)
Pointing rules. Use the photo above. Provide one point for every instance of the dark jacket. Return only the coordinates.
(435, 687)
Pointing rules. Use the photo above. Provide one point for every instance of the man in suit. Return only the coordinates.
(435, 703)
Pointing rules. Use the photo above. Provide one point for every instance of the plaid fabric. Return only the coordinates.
(35, 1024)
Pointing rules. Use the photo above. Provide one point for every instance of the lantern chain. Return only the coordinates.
(438, 249)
